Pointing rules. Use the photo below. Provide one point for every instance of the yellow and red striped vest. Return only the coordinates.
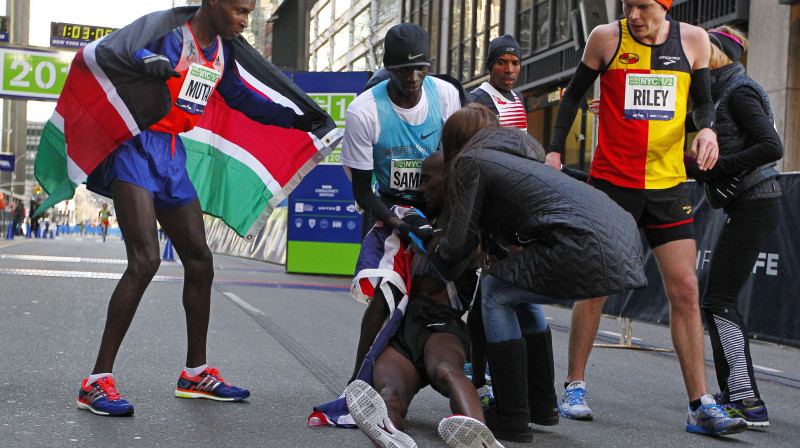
(643, 92)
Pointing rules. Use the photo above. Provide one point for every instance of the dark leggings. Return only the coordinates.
(748, 224)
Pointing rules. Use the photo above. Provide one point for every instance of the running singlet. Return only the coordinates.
(510, 113)
(644, 91)
(190, 92)
(401, 147)
(104, 214)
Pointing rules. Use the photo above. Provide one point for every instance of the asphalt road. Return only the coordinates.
(291, 340)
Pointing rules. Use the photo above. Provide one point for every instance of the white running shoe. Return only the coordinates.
(460, 431)
(369, 411)
(573, 402)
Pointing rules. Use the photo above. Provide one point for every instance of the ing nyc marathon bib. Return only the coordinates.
(197, 87)
(405, 174)
(645, 90)
(190, 92)
(650, 96)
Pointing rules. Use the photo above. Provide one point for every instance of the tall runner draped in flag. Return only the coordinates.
(389, 130)
(147, 178)
(648, 65)
(497, 94)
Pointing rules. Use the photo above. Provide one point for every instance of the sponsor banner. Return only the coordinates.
(324, 228)
(33, 74)
(768, 301)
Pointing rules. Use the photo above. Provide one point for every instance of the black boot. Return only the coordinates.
(542, 399)
(509, 419)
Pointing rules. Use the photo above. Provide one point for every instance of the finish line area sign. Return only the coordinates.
(33, 74)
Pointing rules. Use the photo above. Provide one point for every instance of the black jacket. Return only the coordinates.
(577, 242)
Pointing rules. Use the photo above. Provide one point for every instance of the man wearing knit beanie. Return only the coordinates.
(647, 63)
(503, 63)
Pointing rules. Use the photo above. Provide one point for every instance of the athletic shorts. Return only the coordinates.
(424, 317)
(148, 160)
(664, 215)
(105, 223)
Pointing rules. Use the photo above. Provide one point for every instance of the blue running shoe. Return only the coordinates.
(752, 410)
(101, 397)
(573, 402)
(209, 384)
(709, 418)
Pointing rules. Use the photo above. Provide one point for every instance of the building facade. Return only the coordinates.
(550, 34)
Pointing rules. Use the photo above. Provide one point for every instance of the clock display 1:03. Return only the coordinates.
(82, 32)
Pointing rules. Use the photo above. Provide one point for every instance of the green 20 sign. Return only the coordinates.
(31, 74)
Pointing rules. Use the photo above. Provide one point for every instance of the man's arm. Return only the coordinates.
(599, 50)
(698, 49)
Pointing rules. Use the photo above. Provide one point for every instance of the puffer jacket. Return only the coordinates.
(577, 243)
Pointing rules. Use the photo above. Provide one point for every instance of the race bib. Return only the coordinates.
(406, 174)
(197, 87)
(650, 96)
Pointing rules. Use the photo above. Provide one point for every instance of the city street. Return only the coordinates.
(291, 340)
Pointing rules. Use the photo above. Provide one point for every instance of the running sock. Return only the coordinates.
(566, 384)
(706, 399)
(97, 376)
(194, 371)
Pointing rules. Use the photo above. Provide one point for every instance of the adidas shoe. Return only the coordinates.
(208, 384)
(573, 402)
(460, 431)
(709, 418)
(101, 397)
(369, 411)
(752, 410)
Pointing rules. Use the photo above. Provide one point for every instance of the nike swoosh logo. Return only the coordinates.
(414, 57)
(423, 137)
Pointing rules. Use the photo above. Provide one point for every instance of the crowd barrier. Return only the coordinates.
(269, 245)
(769, 299)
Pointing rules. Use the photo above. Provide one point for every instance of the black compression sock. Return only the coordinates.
(694, 404)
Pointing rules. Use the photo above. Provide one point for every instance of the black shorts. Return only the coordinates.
(423, 318)
(664, 215)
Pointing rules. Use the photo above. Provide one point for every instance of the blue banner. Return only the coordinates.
(324, 228)
(7, 162)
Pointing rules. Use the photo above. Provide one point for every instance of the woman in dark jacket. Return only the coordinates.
(567, 241)
(744, 184)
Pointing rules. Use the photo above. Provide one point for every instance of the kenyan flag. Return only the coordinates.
(241, 169)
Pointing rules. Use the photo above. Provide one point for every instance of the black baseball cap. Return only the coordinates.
(406, 45)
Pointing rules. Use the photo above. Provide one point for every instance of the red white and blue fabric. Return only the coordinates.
(384, 259)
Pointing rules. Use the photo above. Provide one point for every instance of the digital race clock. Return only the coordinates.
(71, 35)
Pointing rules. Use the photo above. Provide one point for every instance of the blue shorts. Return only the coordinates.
(147, 160)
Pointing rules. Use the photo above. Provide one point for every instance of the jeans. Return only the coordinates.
(509, 312)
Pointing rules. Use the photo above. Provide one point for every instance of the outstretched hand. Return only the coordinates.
(417, 225)
(705, 149)
(554, 160)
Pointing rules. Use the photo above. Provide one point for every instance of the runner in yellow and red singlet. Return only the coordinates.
(648, 65)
